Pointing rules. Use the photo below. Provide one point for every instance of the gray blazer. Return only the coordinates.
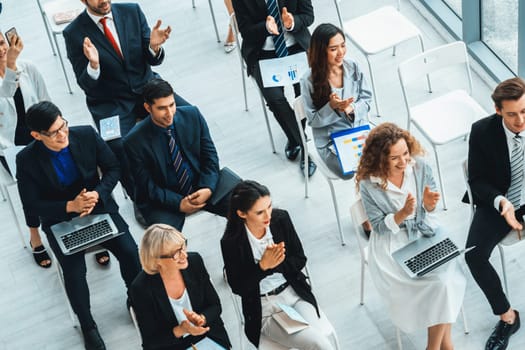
(378, 204)
(326, 120)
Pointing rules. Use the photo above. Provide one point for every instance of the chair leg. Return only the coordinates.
(193, 3)
(3, 194)
(336, 208)
(440, 175)
(42, 13)
(61, 281)
(465, 322)
(504, 270)
(372, 82)
(336, 3)
(398, 337)
(305, 170)
(270, 135)
(13, 212)
(62, 64)
(214, 22)
(362, 297)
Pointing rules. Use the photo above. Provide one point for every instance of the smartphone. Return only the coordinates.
(9, 35)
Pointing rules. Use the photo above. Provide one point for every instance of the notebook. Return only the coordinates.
(206, 344)
(349, 145)
(425, 254)
(289, 319)
(85, 232)
(227, 181)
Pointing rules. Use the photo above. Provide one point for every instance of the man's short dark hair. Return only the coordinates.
(41, 115)
(510, 89)
(156, 88)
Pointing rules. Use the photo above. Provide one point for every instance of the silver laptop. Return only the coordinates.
(85, 232)
(425, 254)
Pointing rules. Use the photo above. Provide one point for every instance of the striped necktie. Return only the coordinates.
(516, 172)
(278, 40)
(182, 169)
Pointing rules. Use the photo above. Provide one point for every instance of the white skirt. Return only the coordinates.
(414, 304)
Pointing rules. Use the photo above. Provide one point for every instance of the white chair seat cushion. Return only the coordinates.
(511, 238)
(380, 30)
(447, 117)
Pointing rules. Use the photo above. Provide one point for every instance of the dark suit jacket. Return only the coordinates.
(488, 161)
(40, 190)
(251, 18)
(120, 83)
(147, 152)
(155, 315)
(244, 274)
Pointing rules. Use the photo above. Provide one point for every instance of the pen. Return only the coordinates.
(193, 347)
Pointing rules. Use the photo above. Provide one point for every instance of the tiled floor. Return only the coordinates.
(33, 309)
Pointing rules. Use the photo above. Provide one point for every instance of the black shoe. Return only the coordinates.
(311, 167)
(292, 151)
(93, 340)
(499, 339)
(138, 216)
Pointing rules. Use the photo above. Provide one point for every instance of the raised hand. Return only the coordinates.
(195, 318)
(91, 53)
(273, 256)
(286, 18)
(430, 198)
(271, 26)
(158, 36)
(13, 51)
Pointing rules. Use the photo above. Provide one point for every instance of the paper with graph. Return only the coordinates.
(349, 145)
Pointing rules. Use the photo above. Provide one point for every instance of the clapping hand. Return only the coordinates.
(286, 18)
(91, 53)
(339, 104)
(158, 36)
(273, 256)
(193, 325)
(271, 26)
(507, 211)
(430, 199)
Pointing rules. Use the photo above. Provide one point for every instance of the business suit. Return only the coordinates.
(244, 274)
(43, 195)
(118, 89)
(155, 314)
(147, 149)
(489, 176)
(251, 18)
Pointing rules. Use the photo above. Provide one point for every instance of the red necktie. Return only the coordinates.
(110, 37)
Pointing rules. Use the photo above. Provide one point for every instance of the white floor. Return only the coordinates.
(33, 309)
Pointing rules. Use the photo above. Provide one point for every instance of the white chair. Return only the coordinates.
(212, 17)
(47, 10)
(135, 323)
(445, 118)
(237, 35)
(311, 151)
(10, 157)
(377, 31)
(358, 214)
(510, 239)
(268, 344)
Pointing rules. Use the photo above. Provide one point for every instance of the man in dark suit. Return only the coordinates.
(112, 49)
(171, 184)
(495, 167)
(58, 179)
(261, 31)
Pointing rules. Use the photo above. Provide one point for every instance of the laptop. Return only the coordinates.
(425, 254)
(85, 232)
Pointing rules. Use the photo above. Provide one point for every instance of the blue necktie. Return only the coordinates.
(182, 169)
(278, 40)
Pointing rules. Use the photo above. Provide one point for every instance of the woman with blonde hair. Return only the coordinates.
(173, 298)
(399, 195)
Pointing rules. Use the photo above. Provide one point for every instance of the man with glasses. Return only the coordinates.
(58, 179)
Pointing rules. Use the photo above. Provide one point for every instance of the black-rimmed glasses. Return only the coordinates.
(54, 133)
(177, 253)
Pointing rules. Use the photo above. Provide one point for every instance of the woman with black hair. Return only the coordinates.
(264, 258)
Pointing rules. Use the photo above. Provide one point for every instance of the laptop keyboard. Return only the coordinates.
(431, 255)
(87, 234)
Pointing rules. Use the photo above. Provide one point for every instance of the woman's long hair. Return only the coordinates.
(243, 197)
(374, 160)
(318, 61)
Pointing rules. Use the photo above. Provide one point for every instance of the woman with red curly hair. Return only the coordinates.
(398, 192)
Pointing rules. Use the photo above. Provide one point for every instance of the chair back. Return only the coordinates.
(10, 158)
(358, 214)
(464, 166)
(134, 319)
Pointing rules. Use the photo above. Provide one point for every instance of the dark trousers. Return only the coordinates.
(74, 269)
(117, 145)
(277, 102)
(488, 228)
(156, 215)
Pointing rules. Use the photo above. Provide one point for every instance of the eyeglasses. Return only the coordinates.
(177, 253)
(53, 134)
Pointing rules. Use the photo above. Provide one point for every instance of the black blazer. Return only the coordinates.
(147, 153)
(251, 18)
(121, 81)
(244, 274)
(488, 161)
(155, 315)
(40, 190)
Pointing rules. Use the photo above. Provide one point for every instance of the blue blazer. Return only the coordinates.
(147, 156)
(40, 190)
(121, 81)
